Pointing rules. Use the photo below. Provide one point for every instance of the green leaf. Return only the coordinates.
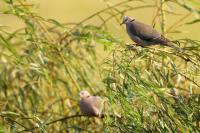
(9, 47)
(1, 129)
(194, 21)
(55, 22)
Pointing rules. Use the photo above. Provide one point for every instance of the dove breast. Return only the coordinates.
(141, 33)
(91, 105)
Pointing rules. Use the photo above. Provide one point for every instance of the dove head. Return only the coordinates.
(84, 94)
(126, 20)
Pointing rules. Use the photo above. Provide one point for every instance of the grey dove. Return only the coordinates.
(145, 35)
(90, 105)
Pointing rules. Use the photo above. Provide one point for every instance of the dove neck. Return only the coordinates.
(132, 20)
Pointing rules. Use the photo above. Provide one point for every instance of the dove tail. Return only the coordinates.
(170, 44)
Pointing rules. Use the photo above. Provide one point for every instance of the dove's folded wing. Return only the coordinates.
(97, 103)
(145, 32)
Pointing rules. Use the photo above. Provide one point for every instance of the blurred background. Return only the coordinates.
(66, 11)
(47, 57)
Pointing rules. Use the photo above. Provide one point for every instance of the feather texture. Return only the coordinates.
(90, 105)
(145, 35)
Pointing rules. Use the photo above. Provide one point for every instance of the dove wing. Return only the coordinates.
(97, 102)
(92, 105)
(143, 31)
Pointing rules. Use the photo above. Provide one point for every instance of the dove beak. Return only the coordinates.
(122, 23)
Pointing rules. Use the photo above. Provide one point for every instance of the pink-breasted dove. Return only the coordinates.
(145, 35)
(90, 105)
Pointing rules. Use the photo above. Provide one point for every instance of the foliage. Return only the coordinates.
(45, 64)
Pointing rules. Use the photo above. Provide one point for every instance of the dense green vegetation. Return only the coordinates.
(45, 64)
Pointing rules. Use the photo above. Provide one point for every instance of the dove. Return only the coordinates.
(90, 105)
(145, 35)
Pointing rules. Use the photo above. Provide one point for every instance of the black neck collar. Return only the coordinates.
(132, 20)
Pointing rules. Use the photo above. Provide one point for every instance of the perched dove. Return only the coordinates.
(90, 105)
(145, 35)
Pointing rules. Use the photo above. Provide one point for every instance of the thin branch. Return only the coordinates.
(163, 18)
(125, 10)
(176, 23)
(95, 14)
(55, 121)
(9, 119)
